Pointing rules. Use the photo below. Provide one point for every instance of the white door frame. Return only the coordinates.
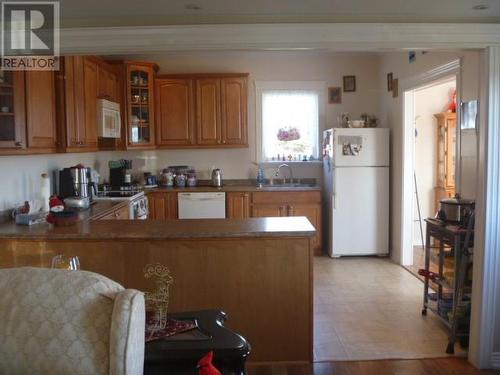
(485, 318)
(408, 87)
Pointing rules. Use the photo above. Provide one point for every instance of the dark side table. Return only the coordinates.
(179, 354)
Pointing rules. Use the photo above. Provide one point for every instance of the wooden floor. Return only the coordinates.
(441, 366)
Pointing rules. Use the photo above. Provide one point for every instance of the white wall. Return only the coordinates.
(325, 67)
(391, 114)
(20, 174)
(428, 102)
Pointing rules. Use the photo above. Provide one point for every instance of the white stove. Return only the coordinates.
(138, 203)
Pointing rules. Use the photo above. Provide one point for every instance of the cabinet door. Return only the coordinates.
(162, 206)
(268, 210)
(107, 83)
(238, 205)
(140, 99)
(208, 116)
(12, 118)
(40, 109)
(313, 213)
(174, 112)
(234, 111)
(89, 140)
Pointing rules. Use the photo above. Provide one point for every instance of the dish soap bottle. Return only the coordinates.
(260, 176)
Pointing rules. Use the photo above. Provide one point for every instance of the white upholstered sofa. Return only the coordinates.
(69, 322)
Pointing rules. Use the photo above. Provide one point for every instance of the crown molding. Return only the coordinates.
(324, 36)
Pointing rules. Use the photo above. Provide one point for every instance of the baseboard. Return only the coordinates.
(495, 360)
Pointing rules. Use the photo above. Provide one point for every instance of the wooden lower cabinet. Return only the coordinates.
(238, 205)
(290, 203)
(162, 205)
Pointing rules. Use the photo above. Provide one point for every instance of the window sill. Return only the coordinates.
(277, 162)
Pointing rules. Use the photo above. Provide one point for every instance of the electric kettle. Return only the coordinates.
(217, 177)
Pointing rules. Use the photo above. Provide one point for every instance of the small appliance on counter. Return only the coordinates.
(76, 187)
(217, 177)
(120, 173)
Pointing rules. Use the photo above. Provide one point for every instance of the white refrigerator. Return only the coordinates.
(356, 191)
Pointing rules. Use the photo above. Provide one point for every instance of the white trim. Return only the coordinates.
(408, 147)
(319, 86)
(486, 269)
(333, 36)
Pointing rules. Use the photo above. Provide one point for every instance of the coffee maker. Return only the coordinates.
(76, 187)
(120, 176)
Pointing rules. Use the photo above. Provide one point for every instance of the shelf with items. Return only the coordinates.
(451, 303)
(140, 112)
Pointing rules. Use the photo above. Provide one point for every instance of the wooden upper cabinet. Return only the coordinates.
(108, 83)
(140, 100)
(208, 111)
(76, 88)
(174, 112)
(41, 110)
(234, 111)
(12, 122)
(90, 103)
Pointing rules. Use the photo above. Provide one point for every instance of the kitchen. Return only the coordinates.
(236, 163)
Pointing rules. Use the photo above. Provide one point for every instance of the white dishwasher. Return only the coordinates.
(202, 205)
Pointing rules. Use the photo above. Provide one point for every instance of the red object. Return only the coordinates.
(452, 107)
(205, 366)
(429, 274)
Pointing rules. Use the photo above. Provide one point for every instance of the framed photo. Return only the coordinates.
(349, 83)
(395, 88)
(334, 95)
(389, 81)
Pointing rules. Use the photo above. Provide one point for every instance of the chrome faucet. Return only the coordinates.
(277, 172)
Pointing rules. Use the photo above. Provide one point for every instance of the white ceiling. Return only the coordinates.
(78, 13)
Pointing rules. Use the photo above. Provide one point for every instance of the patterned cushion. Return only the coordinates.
(57, 321)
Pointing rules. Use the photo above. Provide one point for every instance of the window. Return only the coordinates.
(289, 120)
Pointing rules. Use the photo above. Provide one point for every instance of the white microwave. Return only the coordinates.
(108, 119)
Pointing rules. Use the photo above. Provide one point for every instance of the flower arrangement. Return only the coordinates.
(288, 134)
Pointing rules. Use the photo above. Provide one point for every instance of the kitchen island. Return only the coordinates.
(258, 270)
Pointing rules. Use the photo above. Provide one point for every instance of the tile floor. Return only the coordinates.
(370, 308)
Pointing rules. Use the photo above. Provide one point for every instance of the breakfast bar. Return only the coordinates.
(257, 270)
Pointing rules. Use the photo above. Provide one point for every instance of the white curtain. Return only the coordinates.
(290, 110)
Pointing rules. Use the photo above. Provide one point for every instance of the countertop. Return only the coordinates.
(230, 188)
(163, 229)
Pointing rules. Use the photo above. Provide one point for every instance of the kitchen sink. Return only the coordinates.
(290, 185)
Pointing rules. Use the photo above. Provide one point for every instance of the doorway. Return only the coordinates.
(434, 167)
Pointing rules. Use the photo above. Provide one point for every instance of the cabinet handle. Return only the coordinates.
(224, 142)
(18, 144)
(117, 214)
(218, 141)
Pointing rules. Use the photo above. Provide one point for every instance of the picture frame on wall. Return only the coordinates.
(389, 82)
(349, 83)
(395, 88)
(334, 95)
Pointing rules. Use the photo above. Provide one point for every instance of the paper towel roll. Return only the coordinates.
(45, 192)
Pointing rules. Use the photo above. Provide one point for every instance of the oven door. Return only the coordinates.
(139, 209)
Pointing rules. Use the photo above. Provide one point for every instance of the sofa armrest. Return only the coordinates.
(127, 334)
